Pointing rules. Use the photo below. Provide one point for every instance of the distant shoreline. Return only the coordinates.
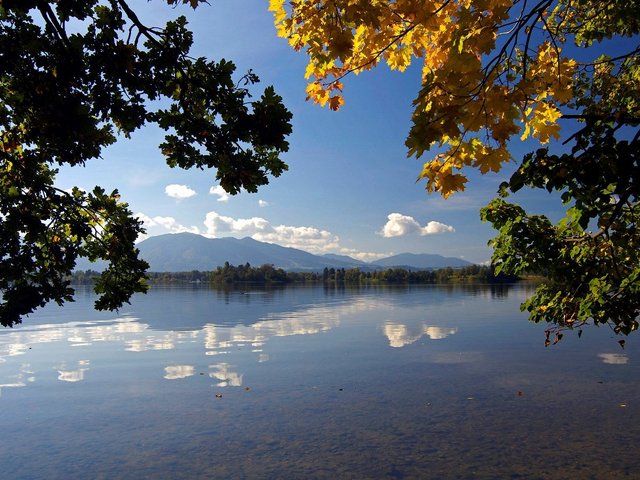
(230, 275)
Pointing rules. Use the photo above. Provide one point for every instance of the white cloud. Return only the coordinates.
(223, 196)
(219, 225)
(399, 225)
(179, 191)
(310, 239)
(159, 223)
(434, 227)
(263, 203)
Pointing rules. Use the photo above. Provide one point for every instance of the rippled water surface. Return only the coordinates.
(420, 382)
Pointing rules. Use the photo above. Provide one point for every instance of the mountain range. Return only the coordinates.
(181, 252)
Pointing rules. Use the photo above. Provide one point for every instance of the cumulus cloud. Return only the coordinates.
(160, 223)
(399, 225)
(434, 227)
(223, 196)
(263, 203)
(219, 225)
(310, 239)
(179, 191)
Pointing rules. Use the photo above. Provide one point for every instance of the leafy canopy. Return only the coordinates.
(501, 71)
(74, 74)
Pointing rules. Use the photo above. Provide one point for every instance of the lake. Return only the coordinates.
(442, 382)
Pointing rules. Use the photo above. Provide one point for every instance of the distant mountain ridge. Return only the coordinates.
(182, 252)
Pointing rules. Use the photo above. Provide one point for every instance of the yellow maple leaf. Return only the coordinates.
(492, 159)
(450, 183)
(543, 122)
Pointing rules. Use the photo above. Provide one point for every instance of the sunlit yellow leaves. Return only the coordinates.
(551, 74)
(399, 58)
(440, 172)
(318, 94)
(470, 104)
(440, 177)
(542, 123)
(491, 159)
(279, 13)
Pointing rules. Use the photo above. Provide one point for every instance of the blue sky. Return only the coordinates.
(350, 188)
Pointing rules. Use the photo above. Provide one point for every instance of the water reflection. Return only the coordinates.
(614, 358)
(229, 328)
(314, 386)
(225, 376)
(175, 372)
(20, 379)
(457, 358)
(402, 335)
(72, 347)
(77, 375)
(313, 320)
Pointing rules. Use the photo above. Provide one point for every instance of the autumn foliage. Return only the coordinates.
(496, 72)
(486, 77)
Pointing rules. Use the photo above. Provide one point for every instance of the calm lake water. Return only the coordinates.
(298, 383)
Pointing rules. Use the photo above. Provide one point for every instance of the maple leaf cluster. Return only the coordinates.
(469, 105)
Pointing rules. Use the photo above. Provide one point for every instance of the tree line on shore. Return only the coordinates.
(228, 274)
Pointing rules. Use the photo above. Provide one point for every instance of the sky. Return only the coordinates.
(350, 188)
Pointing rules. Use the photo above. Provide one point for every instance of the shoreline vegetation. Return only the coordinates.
(229, 275)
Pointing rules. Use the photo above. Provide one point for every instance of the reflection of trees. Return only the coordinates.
(245, 294)
(499, 291)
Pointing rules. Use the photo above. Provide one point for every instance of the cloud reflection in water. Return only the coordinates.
(614, 358)
(129, 334)
(175, 372)
(226, 378)
(400, 335)
(77, 375)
